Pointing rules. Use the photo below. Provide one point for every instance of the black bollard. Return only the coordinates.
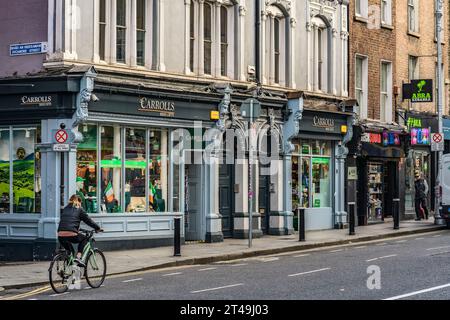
(177, 237)
(301, 222)
(396, 214)
(351, 220)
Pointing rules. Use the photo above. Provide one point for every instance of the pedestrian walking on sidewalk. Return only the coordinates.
(421, 188)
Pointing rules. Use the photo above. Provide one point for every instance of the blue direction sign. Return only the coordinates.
(28, 48)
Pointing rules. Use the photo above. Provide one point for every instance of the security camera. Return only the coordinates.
(94, 98)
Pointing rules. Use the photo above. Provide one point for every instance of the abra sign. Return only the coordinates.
(164, 108)
(36, 100)
(418, 91)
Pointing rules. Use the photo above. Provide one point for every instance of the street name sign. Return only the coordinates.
(28, 48)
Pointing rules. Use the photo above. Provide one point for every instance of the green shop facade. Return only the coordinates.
(125, 155)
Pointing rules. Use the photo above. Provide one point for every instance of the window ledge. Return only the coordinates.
(361, 19)
(387, 26)
(413, 34)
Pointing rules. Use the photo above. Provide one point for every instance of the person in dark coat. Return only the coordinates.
(69, 227)
(421, 188)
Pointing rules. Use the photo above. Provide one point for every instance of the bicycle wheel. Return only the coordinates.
(95, 268)
(58, 273)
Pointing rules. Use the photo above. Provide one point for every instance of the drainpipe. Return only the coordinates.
(257, 40)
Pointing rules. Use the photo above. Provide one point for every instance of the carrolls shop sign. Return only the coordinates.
(164, 108)
(328, 123)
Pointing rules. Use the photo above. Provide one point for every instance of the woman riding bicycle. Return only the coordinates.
(69, 226)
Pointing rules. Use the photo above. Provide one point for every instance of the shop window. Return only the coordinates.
(134, 166)
(18, 146)
(311, 180)
(158, 171)
(111, 169)
(4, 170)
(87, 169)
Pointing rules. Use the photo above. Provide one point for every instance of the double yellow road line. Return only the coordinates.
(28, 294)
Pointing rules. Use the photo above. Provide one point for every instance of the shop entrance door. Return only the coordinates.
(264, 202)
(226, 196)
(193, 203)
(390, 188)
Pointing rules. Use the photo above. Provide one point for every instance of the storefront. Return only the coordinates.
(318, 168)
(419, 157)
(380, 156)
(132, 168)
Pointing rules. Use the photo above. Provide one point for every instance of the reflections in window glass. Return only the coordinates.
(321, 182)
(158, 171)
(4, 171)
(111, 169)
(87, 168)
(24, 170)
(135, 164)
(305, 174)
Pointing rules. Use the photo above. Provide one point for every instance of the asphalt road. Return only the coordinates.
(413, 267)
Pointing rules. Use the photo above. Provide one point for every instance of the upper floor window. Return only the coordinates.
(361, 8)
(386, 92)
(386, 12)
(275, 46)
(321, 60)
(121, 30)
(124, 31)
(140, 32)
(413, 68)
(102, 30)
(211, 35)
(361, 85)
(413, 15)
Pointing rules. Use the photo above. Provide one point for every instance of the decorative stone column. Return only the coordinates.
(291, 128)
(341, 153)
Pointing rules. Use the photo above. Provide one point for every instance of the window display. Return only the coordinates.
(87, 169)
(18, 145)
(131, 160)
(311, 181)
(135, 170)
(111, 169)
(375, 190)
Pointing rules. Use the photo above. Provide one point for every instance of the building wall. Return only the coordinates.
(22, 21)
(422, 45)
(369, 38)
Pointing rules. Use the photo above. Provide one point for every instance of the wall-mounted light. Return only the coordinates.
(102, 130)
(85, 128)
(132, 132)
(27, 133)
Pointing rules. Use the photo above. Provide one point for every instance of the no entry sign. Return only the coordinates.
(437, 142)
(61, 136)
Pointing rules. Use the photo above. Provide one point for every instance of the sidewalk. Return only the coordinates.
(27, 274)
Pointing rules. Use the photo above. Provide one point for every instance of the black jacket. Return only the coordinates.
(420, 189)
(72, 217)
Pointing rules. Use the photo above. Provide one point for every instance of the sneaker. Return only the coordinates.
(80, 263)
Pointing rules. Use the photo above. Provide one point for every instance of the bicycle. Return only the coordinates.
(62, 267)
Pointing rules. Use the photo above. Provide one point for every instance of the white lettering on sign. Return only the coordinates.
(40, 100)
(61, 147)
(163, 107)
(323, 122)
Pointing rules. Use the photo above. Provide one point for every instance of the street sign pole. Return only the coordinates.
(250, 177)
(438, 188)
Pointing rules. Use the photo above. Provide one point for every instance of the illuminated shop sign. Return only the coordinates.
(391, 139)
(371, 137)
(420, 136)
